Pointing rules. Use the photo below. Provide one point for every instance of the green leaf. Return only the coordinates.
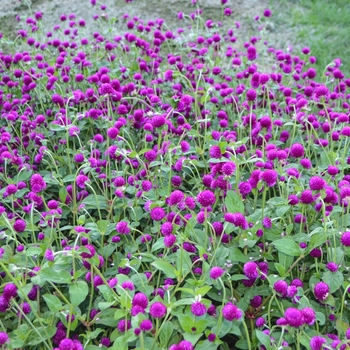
(166, 333)
(264, 339)
(55, 276)
(280, 269)
(186, 322)
(53, 303)
(166, 267)
(333, 279)
(90, 200)
(238, 277)
(316, 240)
(233, 202)
(203, 290)
(287, 246)
(78, 292)
(237, 255)
(34, 339)
(280, 211)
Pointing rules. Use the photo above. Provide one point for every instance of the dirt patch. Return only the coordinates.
(243, 10)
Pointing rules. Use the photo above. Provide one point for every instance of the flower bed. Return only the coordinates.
(159, 190)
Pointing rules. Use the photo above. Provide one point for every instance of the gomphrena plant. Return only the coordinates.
(171, 189)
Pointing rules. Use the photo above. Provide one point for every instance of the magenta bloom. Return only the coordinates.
(316, 342)
(250, 269)
(3, 338)
(80, 180)
(140, 299)
(269, 177)
(10, 291)
(19, 225)
(157, 214)
(321, 291)
(345, 239)
(231, 312)
(297, 150)
(123, 228)
(198, 309)
(37, 183)
(206, 198)
(294, 317)
(216, 272)
(157, 310)
(237, 219)
(146, 325)
(176, 197)
(317, 183)
(309, 315)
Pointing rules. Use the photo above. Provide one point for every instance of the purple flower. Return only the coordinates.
(158, 310)
(49, 255)
(3, 338)
(157, 214)
(309, 315)
(294, 317)
(123, 325)
(269, 177)
(316, 183)
(80, 180)
(250, 269)
(10, 291)
(216, 272)
(297, 150)
(19, 225)
(321, 291)
(146, 325)
(231, 312)
(237, 219)
(332, 266)
(198, 309)
(260, 321)
(345, 239)
(37, 183)
(206, 198)
(176, 197)
(140, 299)
(281, 287)
(169, 240)
(122, 227)
(316, 342)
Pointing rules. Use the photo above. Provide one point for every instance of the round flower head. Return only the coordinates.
(80, 180)
(321, 291)
(157, 310)
(332, 266)
(269, 177)
(250, 269)
(231, 312)
(10, 291)
(228, 168)
(316, 342)
(317, 183)
(176, 197)
(198, 309)
(260, 321)
(37, 183)
(294, 317)
(206, 198)
(146, 325)
(122, 227)
(157, 214)
(297, 150)
(345, 239)
(184, 345)
(281, 287)
(237, 219)
(216, 272)
(3, 338)
(140, 299)
(309, 315)
(19, 225)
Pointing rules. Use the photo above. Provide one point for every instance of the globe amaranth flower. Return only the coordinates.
(250, 269)
(37, 183)
(206, 198)
(158, 310)
(176, 197)
(269, 177)
(294, 317)
(345, 239)
(281, 287)
(80, 180)
(316, 342)
(198, 309)
(231, 312)
(297, 150)
(4, 338)
(216, 272)
(10, 291)
(123, 228)
(309, 315)
(157, 214)
(146, 325)
(321, 291)
(316, 183)
(237, 219)
(19, 225)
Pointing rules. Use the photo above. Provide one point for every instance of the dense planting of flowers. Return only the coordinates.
(163, 189)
